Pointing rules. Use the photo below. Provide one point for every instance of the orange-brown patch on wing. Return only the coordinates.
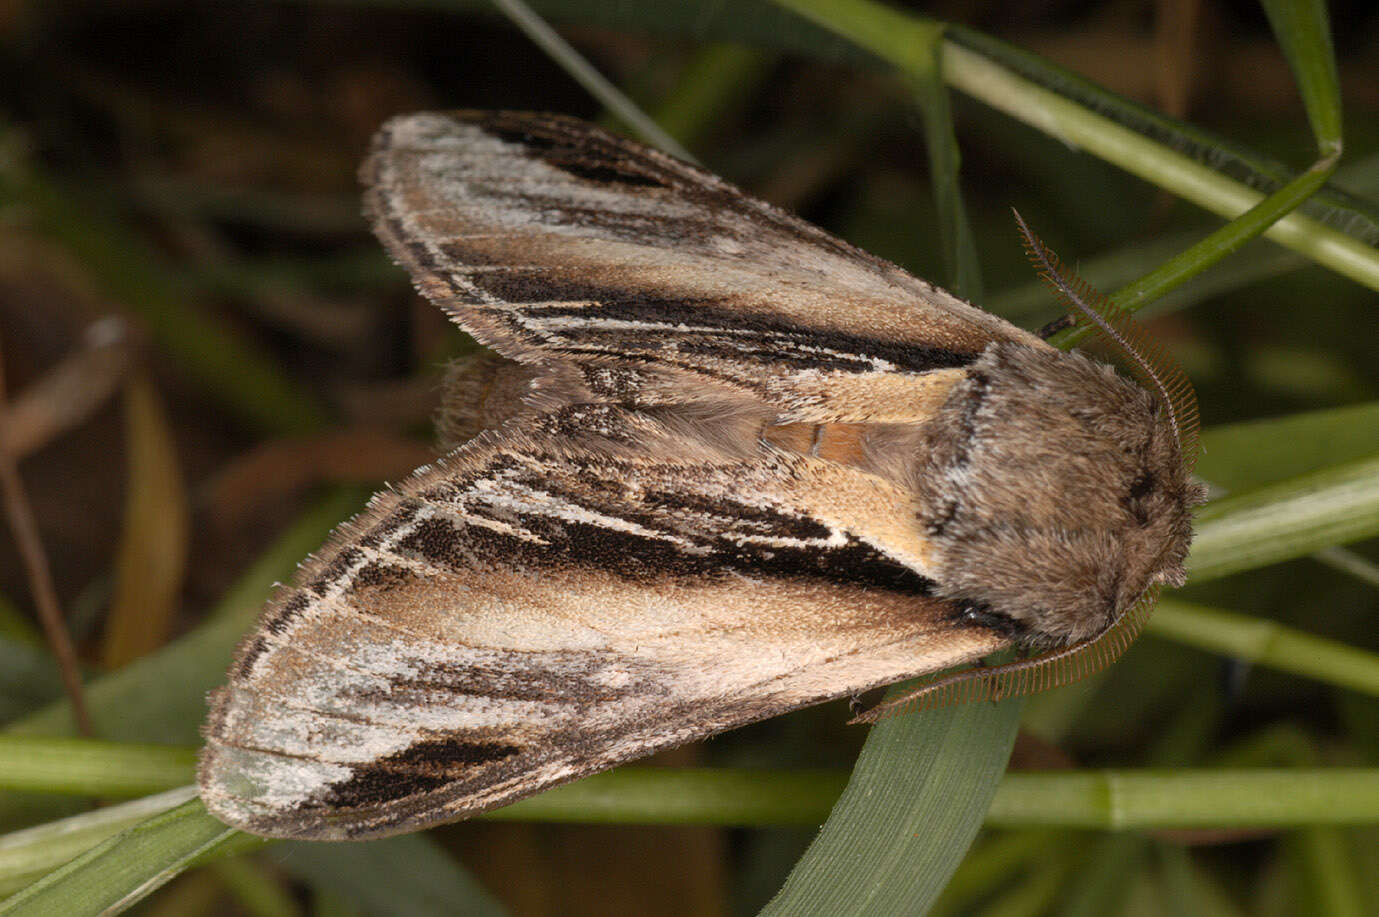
(836, 442)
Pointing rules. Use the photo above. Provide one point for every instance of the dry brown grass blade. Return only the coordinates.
(276, 470)
(151, 559)
(71, 391)
(1177, 30)
(25, 529)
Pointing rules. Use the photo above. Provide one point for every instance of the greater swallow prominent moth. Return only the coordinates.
(728, 466)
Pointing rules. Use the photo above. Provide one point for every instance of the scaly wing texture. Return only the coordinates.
(626, 273)
(541, 605)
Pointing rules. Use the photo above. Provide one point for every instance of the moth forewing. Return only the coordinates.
(743, 468)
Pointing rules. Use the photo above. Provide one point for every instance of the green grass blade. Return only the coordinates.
(92, 767)
(914, 803)
(1342, 211)
(914, 45)
(1267, 643)
(1211, 250)
(1152, 161)
(121, 870)
(684, 796)
(1287, 519)
(1245, 455)
(29, 854)
(407, 876)
(584, 73)
(1139, 799)
(1121, 800)
(1302, 28)
(1030, 305)
(1303, 31)
(434, 882)
(959, 246)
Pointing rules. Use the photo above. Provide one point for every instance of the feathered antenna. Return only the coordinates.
(1146, 357)
(1158, 371)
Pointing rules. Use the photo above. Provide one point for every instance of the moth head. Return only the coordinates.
(1053, 493)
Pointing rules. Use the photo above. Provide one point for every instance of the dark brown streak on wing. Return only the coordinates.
(569, 143)
(420, 769)
(545, 678)
(670, 322)
(672, 516)
(364, 795)
(518, 259)
(683, 317)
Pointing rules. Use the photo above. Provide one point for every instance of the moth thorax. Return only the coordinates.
(1053, 493)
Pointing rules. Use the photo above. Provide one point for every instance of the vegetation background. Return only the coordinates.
(209, 362)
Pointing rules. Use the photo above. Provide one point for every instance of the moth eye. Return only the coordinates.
(1143, 485)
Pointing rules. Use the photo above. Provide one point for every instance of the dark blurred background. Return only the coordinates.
(191, 168)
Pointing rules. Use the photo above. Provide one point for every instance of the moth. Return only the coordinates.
(730, 466)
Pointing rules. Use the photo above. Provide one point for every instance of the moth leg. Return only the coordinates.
(862, 702)
(980, 614)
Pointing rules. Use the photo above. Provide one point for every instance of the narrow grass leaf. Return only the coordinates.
(406, 876)
(30, 853)
(1161, 165)
(1245, 455)
(1355, 216)
(1188, 798)
(915, 801)
(1303, 30)
(684, 796)
(1267, 643)
(123, 869)
(92, 767)
(959, 246)
(586, 75)
(1287, 519)
(1209, 251)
